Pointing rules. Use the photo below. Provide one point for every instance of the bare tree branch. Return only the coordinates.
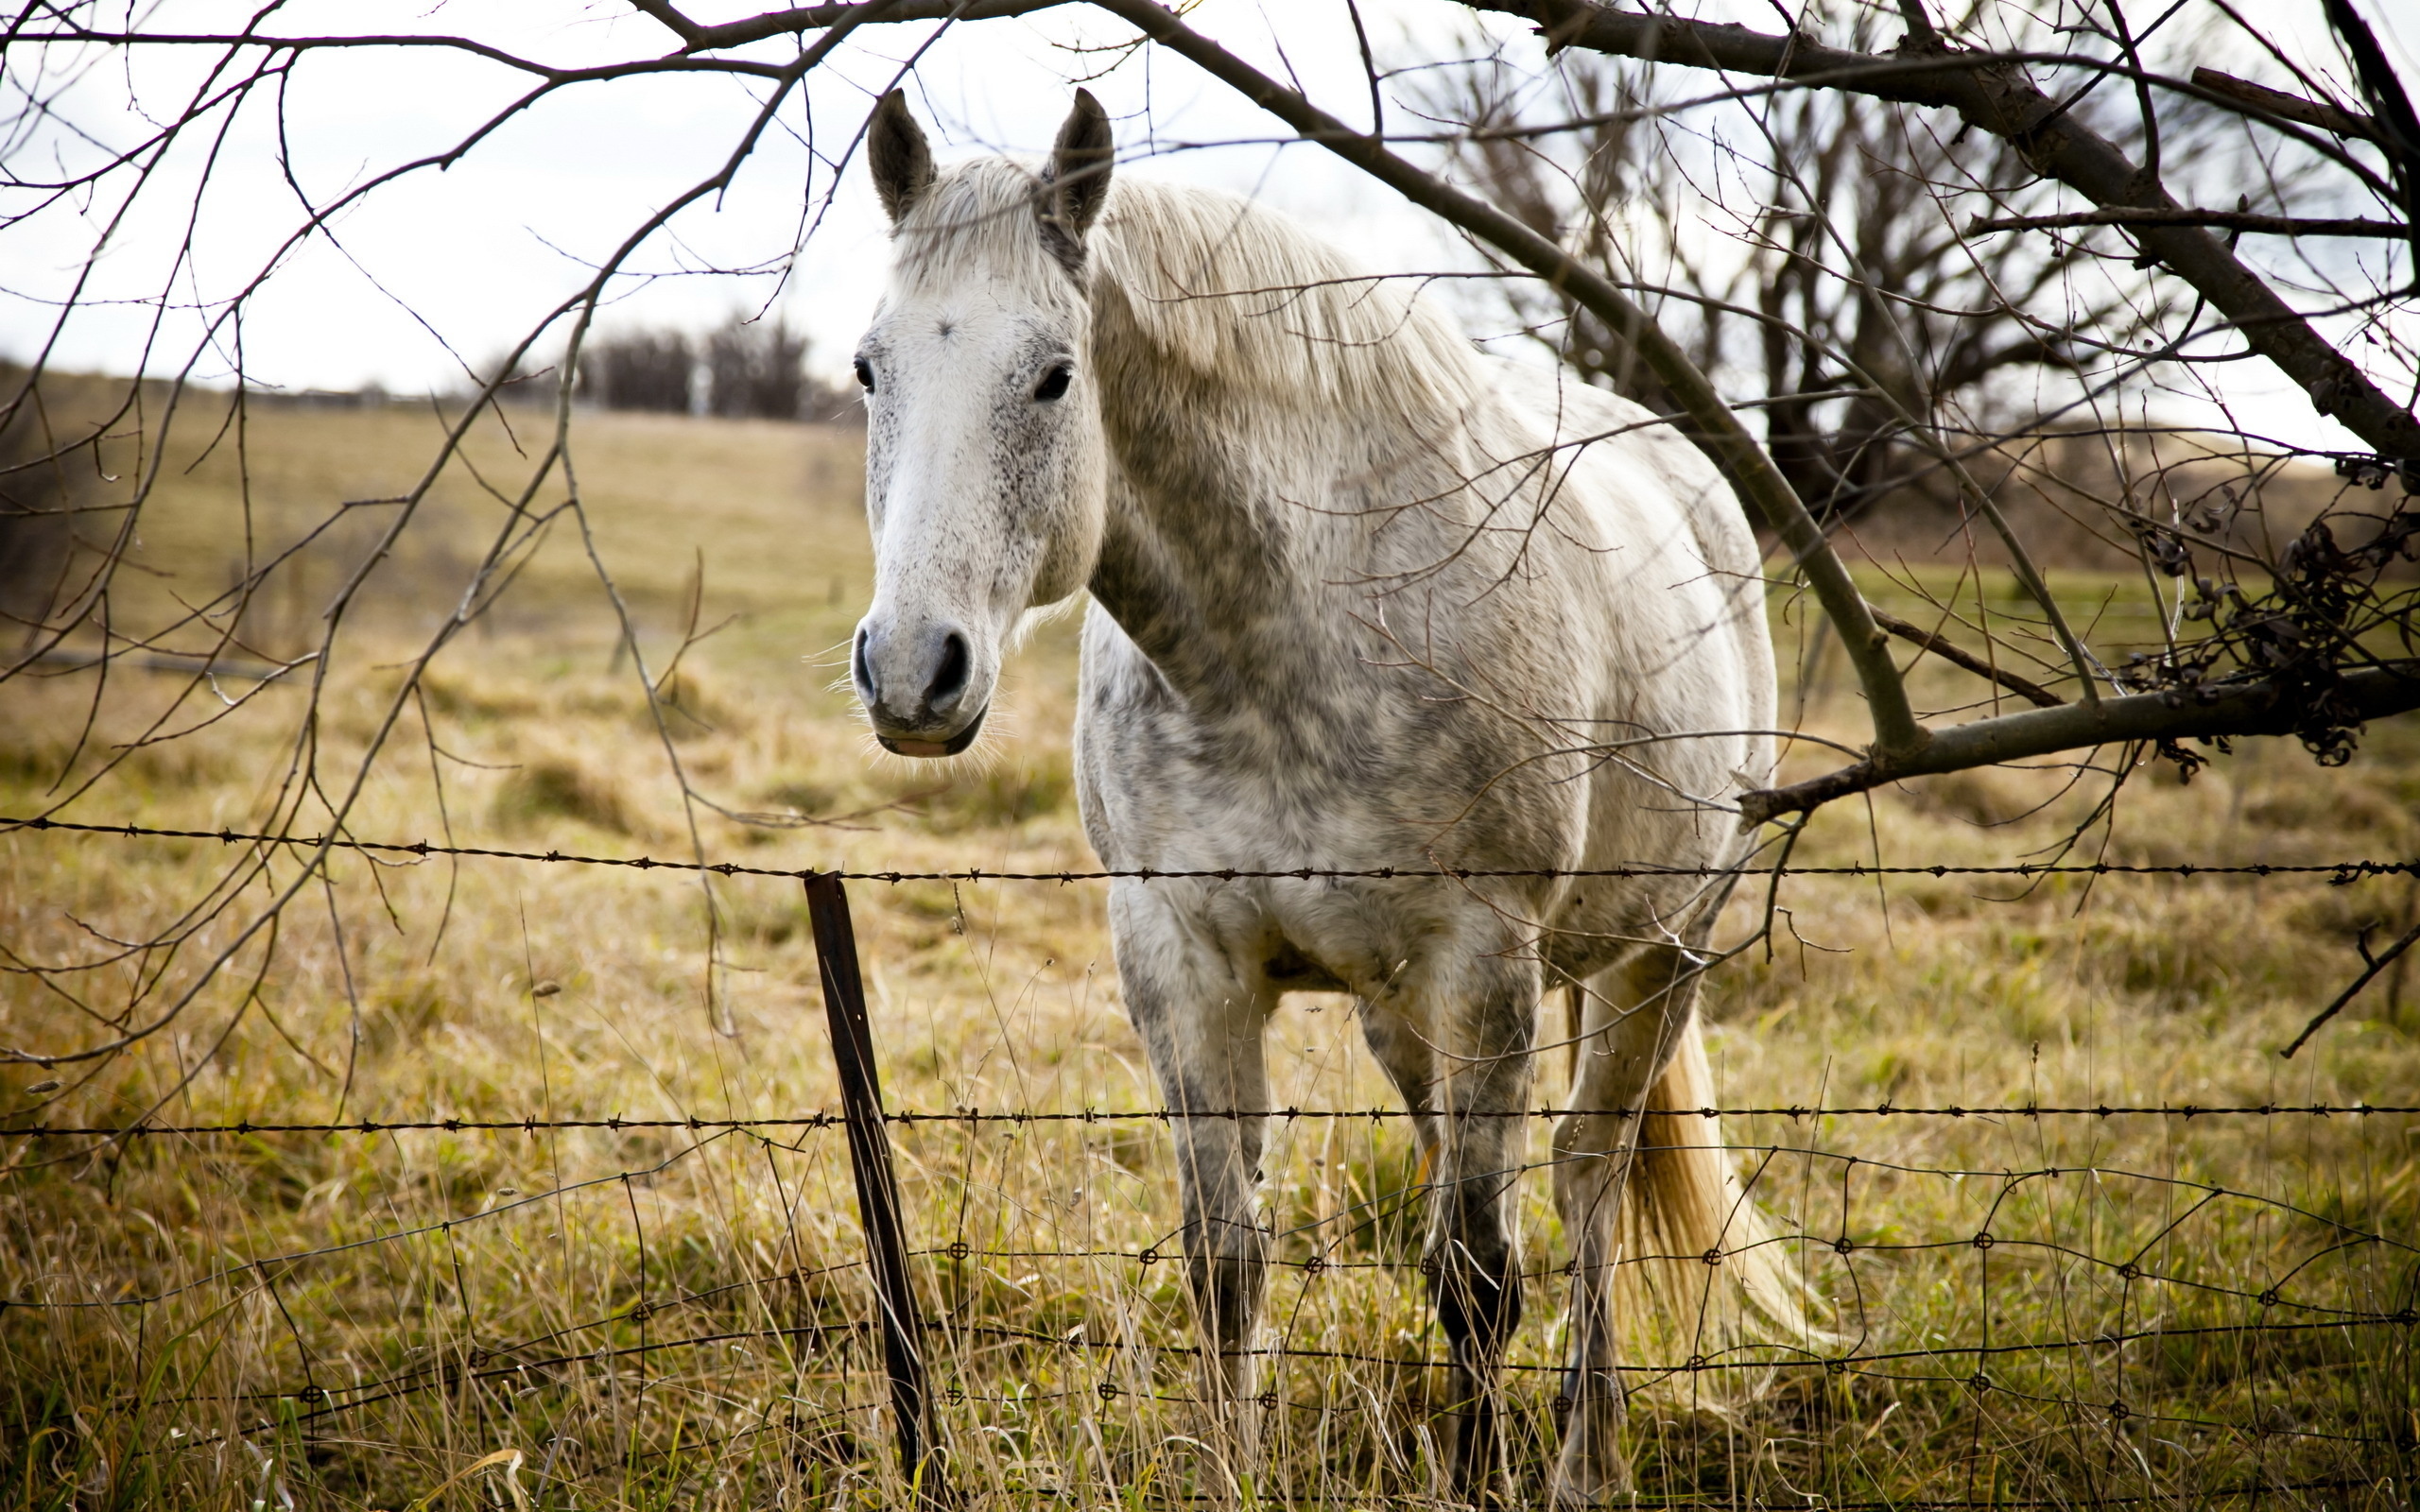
(695, 37)
(2373, 965)
(2256, 708)
(2327, 117)
(2243, 220)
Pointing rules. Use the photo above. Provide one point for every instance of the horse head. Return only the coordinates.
(985, 468)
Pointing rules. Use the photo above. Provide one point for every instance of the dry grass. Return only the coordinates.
(658, 1319)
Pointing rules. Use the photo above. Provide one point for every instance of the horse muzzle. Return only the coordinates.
(925, 746)
(921, 685)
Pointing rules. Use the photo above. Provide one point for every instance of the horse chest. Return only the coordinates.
(1266, 775)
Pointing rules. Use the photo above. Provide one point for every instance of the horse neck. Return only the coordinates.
(1216, 559)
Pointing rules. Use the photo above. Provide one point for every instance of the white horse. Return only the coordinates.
(1361, 599)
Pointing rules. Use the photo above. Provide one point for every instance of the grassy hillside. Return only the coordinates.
(2186, 1312)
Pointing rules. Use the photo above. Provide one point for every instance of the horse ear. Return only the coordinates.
(902, 164)
(1078, 179)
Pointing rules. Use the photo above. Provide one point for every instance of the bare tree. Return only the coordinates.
(756, 368)
(1843, 295)
(641, 370)
(37, 532)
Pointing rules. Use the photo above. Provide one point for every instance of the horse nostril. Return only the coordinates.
(949, 680)
(860, 671)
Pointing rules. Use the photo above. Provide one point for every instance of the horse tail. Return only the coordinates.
(1701, 1243)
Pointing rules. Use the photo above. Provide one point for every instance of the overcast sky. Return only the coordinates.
(462, 263)
(470, 257)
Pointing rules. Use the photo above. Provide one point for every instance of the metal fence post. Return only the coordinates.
(844, 1005)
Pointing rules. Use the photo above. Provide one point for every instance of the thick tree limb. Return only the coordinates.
(1992, 96)
(2251, 709)
(1718, 433)
(2398, 124)
(2332, 119)
(2215, 219)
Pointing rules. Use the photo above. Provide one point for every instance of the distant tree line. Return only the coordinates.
(744, 368)
(36, 525)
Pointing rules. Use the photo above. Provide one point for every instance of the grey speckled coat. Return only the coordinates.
(1361, 599)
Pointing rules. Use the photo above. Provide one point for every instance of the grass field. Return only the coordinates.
(2166, 1311)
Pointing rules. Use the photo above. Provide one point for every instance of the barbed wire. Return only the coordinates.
(2338, 872)
(545, 1359)
(483, 1367)
(822, 1119)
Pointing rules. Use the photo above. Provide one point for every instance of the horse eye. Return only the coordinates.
(1054, 383)
(865, 375)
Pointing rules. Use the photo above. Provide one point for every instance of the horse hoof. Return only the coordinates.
(1569, 1498)
(1578, 1489)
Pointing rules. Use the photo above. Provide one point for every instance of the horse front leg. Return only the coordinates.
(1470, 1078)
(1202, 1024)
(1630, 1018)
(1226, 1256)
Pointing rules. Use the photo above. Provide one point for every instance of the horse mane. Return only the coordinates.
(1231, 292)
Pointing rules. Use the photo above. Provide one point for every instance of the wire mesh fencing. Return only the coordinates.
(2020, 1303)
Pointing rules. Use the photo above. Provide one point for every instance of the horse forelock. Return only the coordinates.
(978, 222)
(1223, 288)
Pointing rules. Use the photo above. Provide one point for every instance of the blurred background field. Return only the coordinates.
(664, 1318)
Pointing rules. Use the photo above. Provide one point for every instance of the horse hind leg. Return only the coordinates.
(1630, 1021)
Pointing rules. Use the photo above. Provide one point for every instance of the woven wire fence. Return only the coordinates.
(2217, 1326)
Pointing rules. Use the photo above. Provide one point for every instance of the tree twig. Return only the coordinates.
(2032, 692)
(2377, 963)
